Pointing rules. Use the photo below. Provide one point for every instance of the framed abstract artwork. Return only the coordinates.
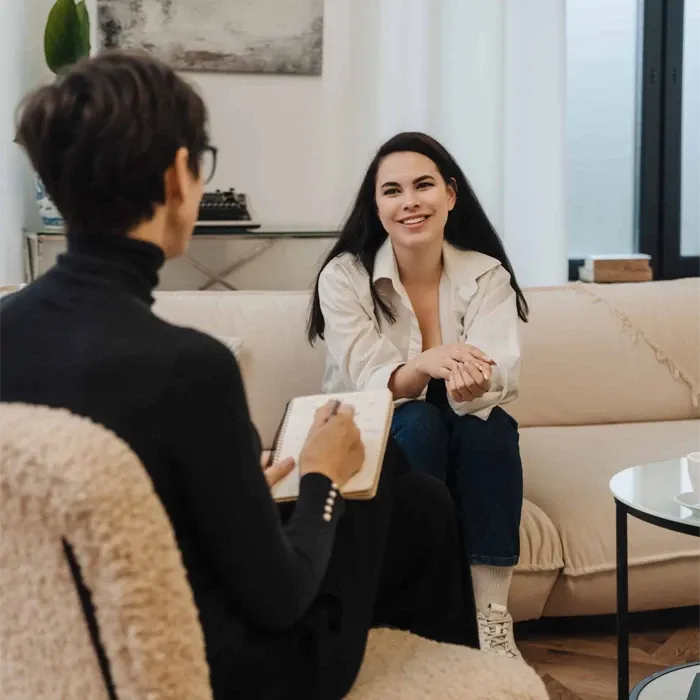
(232, 36)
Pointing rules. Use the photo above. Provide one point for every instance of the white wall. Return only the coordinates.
(298, 145)
(34, 72)
(11, 191)
(291, 142)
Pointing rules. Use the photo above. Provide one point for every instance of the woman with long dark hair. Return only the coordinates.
(418, 295)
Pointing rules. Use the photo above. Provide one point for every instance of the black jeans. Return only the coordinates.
(480, 462)
(396, 562)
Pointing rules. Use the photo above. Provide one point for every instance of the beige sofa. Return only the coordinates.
(610, 378)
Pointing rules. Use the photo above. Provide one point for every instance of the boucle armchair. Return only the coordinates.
(62, 476)
(66, 479)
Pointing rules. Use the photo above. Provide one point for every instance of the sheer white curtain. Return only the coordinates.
(380, 70)
(487, 78)
(407, 60)
(533, 140)
(469, 119)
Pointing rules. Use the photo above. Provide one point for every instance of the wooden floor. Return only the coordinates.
(577, 658)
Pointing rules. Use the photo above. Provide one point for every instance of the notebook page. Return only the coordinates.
(371, 412)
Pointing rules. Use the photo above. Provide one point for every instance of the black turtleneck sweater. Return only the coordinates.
(83, 337)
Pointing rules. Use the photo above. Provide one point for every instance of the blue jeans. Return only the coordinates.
(479, 460)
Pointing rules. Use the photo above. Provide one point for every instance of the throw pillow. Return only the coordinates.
(10, 289)
(235, 345)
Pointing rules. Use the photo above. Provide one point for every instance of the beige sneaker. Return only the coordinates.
(496, 631)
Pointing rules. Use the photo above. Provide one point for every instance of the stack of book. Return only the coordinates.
(616, 268)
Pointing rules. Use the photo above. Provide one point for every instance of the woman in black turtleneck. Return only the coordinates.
(285, 603)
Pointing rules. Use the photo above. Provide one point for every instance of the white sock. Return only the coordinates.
(491, 585)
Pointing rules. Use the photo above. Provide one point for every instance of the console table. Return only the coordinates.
(265, 238)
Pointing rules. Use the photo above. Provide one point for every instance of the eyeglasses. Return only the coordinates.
(207, 162)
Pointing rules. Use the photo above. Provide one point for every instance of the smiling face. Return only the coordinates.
(413, 200)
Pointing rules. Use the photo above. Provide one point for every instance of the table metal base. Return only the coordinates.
(264, 239)
(622, 510)
(623, 644)
(220, 277)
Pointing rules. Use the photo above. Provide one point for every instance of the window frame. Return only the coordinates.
(658, 190)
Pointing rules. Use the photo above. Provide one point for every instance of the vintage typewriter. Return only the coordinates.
(219, 211)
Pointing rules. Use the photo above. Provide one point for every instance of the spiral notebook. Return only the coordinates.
(373, 413)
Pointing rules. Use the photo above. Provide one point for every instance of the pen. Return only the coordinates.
(334, 410)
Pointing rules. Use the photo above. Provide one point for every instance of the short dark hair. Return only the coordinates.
(468, 227)
(103, 134)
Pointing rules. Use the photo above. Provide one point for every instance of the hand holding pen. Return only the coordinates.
(333, 446)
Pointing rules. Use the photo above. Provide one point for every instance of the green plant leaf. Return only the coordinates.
(84, 22)
(62, 40)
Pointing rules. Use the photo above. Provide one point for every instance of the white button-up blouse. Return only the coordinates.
(477, 306)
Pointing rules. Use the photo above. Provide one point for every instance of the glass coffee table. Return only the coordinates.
(647, 492)
(681, 682)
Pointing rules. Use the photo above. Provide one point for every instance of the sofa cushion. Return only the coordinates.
(582, 351)
(665, 584)
(235, 345)
(586, 346)
(541, 560)
(540, 544)
(567, 474)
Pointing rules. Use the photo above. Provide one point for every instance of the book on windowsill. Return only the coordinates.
(616, 268)
(373, 413)
(625, 261)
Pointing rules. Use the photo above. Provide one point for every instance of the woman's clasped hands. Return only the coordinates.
(465, 369)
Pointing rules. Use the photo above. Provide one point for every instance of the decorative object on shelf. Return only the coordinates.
(223, 206)
(66, 39)
(616, 268)
(219, 211)
(51, 218)
(247, 36)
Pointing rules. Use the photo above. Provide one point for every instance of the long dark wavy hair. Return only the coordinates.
(467, 227)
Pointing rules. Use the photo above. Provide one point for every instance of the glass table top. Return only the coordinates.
(223, 232)
(652, 488)
(672, 684)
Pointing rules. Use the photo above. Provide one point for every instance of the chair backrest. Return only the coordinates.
(63, 477)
